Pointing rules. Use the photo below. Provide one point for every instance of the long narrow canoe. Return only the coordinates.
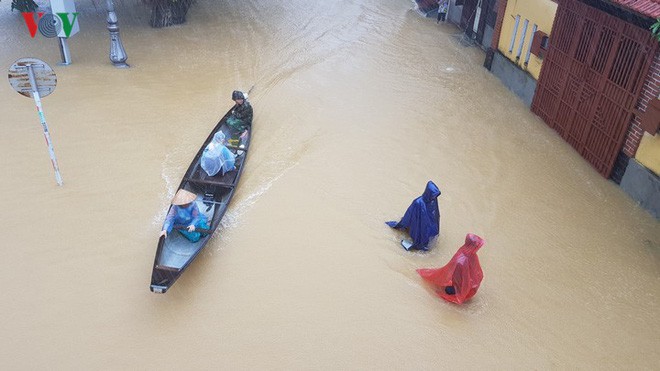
(175, 253)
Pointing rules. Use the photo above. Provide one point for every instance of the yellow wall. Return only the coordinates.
(539, 12)
(648, 153)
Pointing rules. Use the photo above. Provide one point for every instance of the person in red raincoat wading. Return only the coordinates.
(459, 280)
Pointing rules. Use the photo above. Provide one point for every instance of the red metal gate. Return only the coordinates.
(591, 80)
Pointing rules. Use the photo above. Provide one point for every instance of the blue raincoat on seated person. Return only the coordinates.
(422, 219)
(184, 211)
(217, 158)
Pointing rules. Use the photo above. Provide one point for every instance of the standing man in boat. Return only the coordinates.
(241, 115)
(184, 211)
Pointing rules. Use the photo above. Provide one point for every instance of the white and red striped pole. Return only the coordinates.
(44, 125)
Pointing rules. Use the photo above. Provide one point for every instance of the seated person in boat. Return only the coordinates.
(241, 115)
(184, 211)
(217, 158)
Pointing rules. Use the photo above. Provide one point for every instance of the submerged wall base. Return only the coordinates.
(517, 80)
(643, 186)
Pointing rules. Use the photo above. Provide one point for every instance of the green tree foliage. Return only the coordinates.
(24, 5)
(655, 29)
(168, 12)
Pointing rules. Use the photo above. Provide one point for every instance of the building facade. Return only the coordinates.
(476, 18)
(517, 52)
(591, 70)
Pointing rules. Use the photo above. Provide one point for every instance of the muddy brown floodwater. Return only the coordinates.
(357, 105)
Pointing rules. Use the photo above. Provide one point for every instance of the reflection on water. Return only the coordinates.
(357, 105)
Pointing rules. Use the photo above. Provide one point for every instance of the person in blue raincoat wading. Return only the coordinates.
(422, 219)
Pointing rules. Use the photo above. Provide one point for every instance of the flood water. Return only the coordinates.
(357, 105)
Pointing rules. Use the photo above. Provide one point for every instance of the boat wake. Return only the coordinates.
(233, 215)
(171, 174)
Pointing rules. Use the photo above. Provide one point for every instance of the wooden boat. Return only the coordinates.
(175, 253)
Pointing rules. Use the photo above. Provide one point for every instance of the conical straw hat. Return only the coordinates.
(183, 197)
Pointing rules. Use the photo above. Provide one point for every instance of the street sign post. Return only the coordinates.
(65, 7)
(34, 78)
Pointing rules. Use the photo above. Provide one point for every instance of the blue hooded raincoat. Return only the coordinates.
(422, 219)
(186, 216)
(216, 158)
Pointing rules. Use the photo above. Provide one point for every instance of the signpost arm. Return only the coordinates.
(64, 52)
(44, 125)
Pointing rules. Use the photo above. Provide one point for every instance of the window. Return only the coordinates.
(540, 44)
